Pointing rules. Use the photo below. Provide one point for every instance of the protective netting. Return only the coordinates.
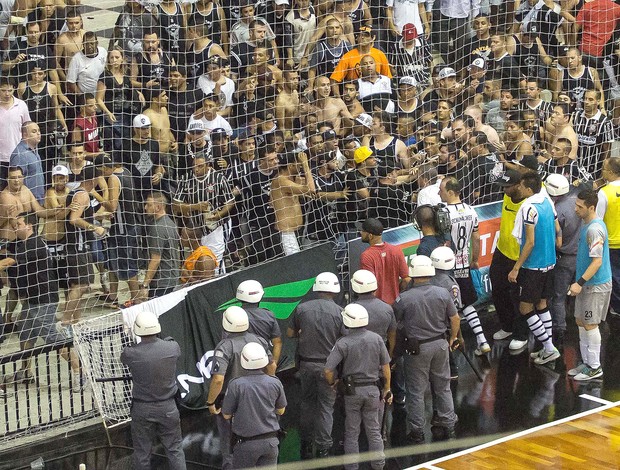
(160, 144)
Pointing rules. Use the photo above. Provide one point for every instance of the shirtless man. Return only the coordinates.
(287, 103)
(160, 121)
(286, 188)
(16, 199)
(350, 96)
(475, 111)
(516, 141)
(558, 126)
(261, 61)
(69, 43)
(330, 109)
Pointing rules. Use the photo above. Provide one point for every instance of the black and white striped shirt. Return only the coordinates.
(213, 188)
(415, 64)
(572, 171)
(592, 133)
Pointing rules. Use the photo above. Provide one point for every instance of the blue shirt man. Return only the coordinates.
(26, 157)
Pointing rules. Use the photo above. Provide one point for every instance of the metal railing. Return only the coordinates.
(37, 391)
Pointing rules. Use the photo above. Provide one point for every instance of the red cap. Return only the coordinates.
(409, 32)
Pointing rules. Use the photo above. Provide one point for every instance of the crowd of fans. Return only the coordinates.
(246, 131)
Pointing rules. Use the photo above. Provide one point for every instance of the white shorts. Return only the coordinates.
(215, 242)
(592, 303)
(290, 243)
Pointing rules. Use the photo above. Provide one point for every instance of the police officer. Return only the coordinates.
(318, 324)
(263, 322)
(227, 366)
(362, 354)
(381, 318)
(426, 312)
(153, 367)
(254, 402)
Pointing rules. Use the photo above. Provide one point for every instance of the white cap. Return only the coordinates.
(281, 2)
(365, 120)
(196, 126)
(408, 81)
(254, 356)
(141, 121)
(60, 170)
(446, 72)
(355, 316)
(421, 266)
(479, 62)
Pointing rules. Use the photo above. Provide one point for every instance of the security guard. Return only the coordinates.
(263, 322)
(227, 366)
(254, 402)
(426, 312)
(362, 354)
(153, 367)
(318, 324)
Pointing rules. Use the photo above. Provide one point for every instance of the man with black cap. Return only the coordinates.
(385, 261)
(505, 294)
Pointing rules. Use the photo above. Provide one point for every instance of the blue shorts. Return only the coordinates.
(122, 254)
(39, 320)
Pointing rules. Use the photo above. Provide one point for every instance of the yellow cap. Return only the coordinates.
(361, 154)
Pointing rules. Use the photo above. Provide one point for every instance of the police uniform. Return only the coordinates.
(153, 366)
(252, 400)
(425, 311)
(362, 354)
(263, 322)
(381, 319)
(319, 324)
(226, 362)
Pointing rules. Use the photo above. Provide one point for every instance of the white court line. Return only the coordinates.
(596, 399)
(515, 436)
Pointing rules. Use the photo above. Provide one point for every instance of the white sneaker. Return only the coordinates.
(577, 370)
(547, 356)
(517, 344)
(501, 334)
(483, 349)
(535, 354)
(588, 374)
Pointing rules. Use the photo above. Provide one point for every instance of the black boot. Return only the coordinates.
(305, 450)
(323, 452)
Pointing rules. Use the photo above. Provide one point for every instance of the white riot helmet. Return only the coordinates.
(326, 282)
(146, 324)
(421, 266)
(557, 185)
(235, 320)
(355, 316)
(250, 291)
(363, 281)
(443, 258)
(253, 356)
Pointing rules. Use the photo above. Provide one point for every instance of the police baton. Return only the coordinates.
(459, 347)
(384, 419)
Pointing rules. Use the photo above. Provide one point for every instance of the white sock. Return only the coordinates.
(537, 327)
(471, 315)
(583, 344)
(545, 317)
(594, 348)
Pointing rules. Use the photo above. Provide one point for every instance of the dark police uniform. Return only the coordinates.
(227, 362)
(153, 366)
(252, 401)
(381, 319)
(362, 354)
(425, 312)
(318, 323)
(263, 322)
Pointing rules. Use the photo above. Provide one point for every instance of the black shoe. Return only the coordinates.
(305, 450)
(415, 437)
(322, 453)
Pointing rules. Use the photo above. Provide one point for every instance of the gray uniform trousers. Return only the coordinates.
(258, 453)
(156, 419)
(563, 276)
(317, 405)
(431, 364)
(224, 429)
(363, 407)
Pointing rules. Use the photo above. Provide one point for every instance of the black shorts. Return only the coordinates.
(58, 255)
(80, 268)
(468, 291)
(534, 285)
